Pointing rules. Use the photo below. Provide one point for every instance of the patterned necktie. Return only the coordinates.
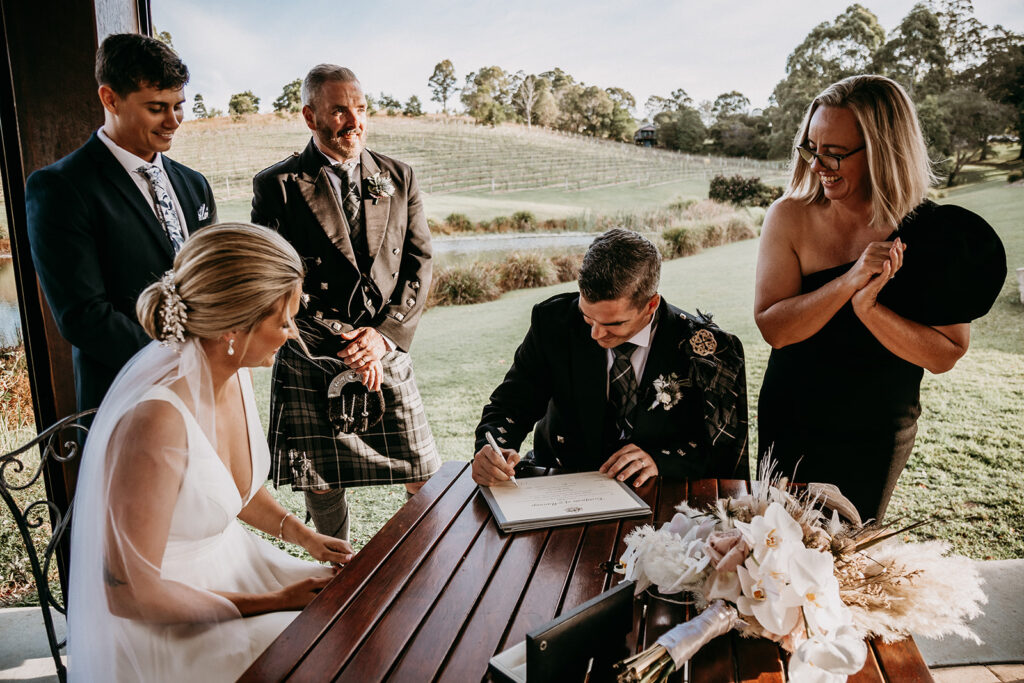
(350, 195)
(622, 388)
(165, 210)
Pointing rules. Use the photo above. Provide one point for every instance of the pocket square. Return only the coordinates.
(203, 213)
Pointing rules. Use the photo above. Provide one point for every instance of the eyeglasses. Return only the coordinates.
(829, 161)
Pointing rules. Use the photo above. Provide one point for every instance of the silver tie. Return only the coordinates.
(164, 206)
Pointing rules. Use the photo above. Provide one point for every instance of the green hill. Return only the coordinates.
(480, 171)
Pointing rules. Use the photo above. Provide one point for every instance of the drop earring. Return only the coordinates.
(231, 347)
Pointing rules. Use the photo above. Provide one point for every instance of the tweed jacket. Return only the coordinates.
(558, 380)
(386, 288)
(96, 244)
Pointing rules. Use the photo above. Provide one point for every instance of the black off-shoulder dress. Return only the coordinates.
(843, 406)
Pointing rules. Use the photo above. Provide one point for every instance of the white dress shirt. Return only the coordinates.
(131, 163)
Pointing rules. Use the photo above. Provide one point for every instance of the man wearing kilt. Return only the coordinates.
(356, 218)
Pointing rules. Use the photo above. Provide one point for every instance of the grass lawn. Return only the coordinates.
(966, 464)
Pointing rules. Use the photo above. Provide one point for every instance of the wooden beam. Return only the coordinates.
(48, 108)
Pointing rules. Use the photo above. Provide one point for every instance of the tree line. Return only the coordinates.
(966, 78)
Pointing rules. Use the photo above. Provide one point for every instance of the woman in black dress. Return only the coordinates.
(861, 285)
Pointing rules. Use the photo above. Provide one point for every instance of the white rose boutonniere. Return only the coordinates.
(668, 391)
(380, 186)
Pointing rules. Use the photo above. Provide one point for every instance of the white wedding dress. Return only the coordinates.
(207, 549)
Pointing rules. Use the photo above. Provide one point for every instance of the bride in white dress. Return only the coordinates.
(166, 584)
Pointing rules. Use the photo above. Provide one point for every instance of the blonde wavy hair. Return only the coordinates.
(898, 163)
(229, 276)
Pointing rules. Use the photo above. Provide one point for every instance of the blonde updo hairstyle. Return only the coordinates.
(229, 276)
(898, 163)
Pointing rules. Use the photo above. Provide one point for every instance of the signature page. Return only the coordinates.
(577, 494)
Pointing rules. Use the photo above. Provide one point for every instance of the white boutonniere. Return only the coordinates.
(203, 213)
(380, 186)
(668, 391)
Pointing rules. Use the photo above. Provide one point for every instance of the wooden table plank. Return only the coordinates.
(591, 576)
(428, 651)
(397, 626)
(468, 658)
(278, 660)
(366, 606)
(870, 672)
(902, 661)
(544, 590)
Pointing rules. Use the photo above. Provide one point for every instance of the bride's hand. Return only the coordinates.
(299, 594)
(328, 549)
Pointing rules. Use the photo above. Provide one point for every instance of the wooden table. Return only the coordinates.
(439, 590)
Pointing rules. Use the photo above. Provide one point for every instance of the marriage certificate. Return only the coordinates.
(540, 502)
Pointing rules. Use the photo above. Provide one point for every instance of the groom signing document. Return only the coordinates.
(618, 380)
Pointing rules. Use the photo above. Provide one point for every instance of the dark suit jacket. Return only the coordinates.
(559, 376)
(296, 198)
(96, 244)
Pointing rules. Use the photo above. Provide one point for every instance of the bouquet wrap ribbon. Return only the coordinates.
(683, 641)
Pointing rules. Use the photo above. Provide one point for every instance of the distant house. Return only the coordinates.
(646, 136)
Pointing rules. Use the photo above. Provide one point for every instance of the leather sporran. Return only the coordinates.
(351, 407)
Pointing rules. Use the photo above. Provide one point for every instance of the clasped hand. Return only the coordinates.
(363, 353)
(878, 263)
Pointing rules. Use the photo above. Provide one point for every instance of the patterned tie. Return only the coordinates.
(622, 388)
(350, 202)
(164, 206)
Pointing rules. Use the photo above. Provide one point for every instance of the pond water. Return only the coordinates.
(10, 319)
(456, 250)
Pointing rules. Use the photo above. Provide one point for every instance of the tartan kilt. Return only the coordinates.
(306, 453)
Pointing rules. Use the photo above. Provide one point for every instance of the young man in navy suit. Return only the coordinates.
(106, 220)
(618, 380)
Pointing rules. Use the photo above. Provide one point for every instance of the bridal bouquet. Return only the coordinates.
(772, 564)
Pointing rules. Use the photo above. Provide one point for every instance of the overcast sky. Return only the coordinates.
(648, 47)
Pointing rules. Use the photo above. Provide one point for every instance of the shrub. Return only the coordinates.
(681, 205)
(756, 214)
(712, 235)
(567, 266)
(524, 271)
(459, 222)
(524, 220)
(581, 223)
(743, 191)
(437, 228)
(739, 228)
(460, 285)
(553, 225)
(501, 224)
(1014, 176)
(682, 241)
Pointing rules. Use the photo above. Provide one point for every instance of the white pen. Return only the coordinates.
(497, 449)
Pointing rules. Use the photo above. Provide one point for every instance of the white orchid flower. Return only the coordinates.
(812, 577)
(767, 596)
(828, 659)
(773, 531)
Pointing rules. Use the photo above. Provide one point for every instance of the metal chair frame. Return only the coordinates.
(32, 517)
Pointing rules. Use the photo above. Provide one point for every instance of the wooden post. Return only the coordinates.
(48, 108)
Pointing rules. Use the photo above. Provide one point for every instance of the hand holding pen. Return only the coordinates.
(493, 464)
